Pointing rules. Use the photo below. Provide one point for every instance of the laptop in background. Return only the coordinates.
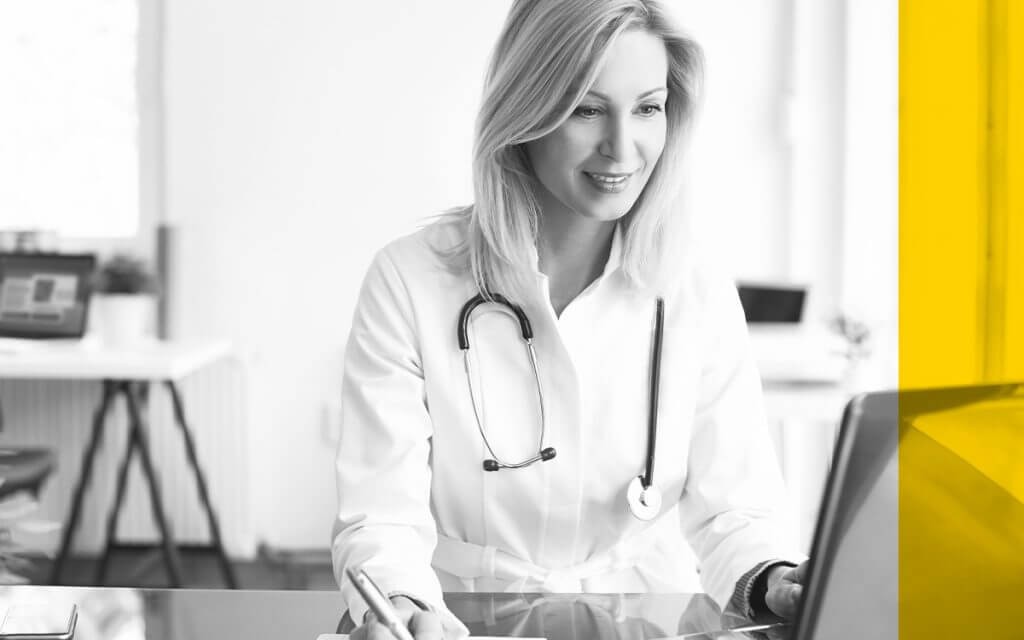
(45, 296)
(772, 303)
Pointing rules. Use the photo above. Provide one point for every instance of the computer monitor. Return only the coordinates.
(931, 481)
(45, 295)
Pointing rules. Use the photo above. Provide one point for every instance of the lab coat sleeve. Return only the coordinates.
(733, 506)
(384, 523)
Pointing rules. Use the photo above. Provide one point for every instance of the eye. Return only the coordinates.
(583, 111)
(650, 109)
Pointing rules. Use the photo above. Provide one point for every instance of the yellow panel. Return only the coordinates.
(961, 313)
(961, 570)
(1014, 347)
(940, 192)
(994, 203)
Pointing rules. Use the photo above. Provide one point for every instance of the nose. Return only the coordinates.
(619, 142)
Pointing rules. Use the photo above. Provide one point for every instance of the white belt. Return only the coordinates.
(469, 561)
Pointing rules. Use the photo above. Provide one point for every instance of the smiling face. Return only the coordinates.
(597, 162)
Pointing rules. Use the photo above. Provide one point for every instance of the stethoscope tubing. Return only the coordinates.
(652, 416)
(527, 332)
(476, 411)
(467, 309)
(647, 480)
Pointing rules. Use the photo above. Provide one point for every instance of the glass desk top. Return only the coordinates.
(196, 614)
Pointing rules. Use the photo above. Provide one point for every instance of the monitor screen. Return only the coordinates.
(44, 295)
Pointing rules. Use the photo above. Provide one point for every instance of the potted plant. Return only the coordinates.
(857, 334)
(125, 305)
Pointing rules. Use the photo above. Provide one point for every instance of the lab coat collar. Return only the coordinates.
(615, 255)
(613, 262)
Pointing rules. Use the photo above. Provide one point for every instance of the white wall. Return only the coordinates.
(817, 135)
(767, 161)
(870, 231)
(301, 137)
(738, 174)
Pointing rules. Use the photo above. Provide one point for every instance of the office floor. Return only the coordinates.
(144, 568)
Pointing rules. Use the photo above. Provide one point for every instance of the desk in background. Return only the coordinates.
(187, 614)
(127, 372)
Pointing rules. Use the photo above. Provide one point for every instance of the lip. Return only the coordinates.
(608, 182)
(610, 174)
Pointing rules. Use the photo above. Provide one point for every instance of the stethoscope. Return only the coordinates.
(643, 498)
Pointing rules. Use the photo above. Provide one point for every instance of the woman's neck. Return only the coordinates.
(572, 251)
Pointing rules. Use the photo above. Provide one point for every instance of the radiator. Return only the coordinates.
(58, 414)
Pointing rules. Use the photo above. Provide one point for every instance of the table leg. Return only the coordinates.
(99, 419)
(138, 427)
(204, 496)
(115, 511)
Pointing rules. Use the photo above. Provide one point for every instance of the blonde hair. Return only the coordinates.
(547, 56)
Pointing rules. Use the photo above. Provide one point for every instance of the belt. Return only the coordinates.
(470, 561)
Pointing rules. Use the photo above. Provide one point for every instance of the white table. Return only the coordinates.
(91, 360)
(128, 371)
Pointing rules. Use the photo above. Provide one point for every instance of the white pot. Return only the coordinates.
(124, 319)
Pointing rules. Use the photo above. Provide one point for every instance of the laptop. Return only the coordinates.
(948, 509)
(44, 296)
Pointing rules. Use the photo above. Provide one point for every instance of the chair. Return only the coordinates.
(22, 474)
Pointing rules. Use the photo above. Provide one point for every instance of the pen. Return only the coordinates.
(722, 633)
(379, 604)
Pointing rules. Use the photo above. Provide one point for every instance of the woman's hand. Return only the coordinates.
(785, 587)
(423, 625)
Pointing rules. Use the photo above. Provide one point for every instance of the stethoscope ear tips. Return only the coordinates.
(545, 455)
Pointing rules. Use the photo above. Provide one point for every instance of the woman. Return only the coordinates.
(577, 154)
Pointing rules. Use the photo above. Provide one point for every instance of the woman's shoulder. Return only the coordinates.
(702, 279)
(704, 299)
(434, 246)
(437, 237)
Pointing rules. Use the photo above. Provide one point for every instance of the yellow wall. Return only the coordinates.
(1014, 347)
(961, 191)
(961, 297)
(940, 189)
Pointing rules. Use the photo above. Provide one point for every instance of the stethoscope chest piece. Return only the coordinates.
(645, 504)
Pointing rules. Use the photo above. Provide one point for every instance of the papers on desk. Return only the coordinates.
(44, 621)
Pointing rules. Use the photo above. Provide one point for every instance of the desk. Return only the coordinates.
(187, 614)
(129, 372)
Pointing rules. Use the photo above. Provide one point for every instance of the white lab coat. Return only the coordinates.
(419, 513)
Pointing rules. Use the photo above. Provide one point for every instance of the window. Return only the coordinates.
(69, 117)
